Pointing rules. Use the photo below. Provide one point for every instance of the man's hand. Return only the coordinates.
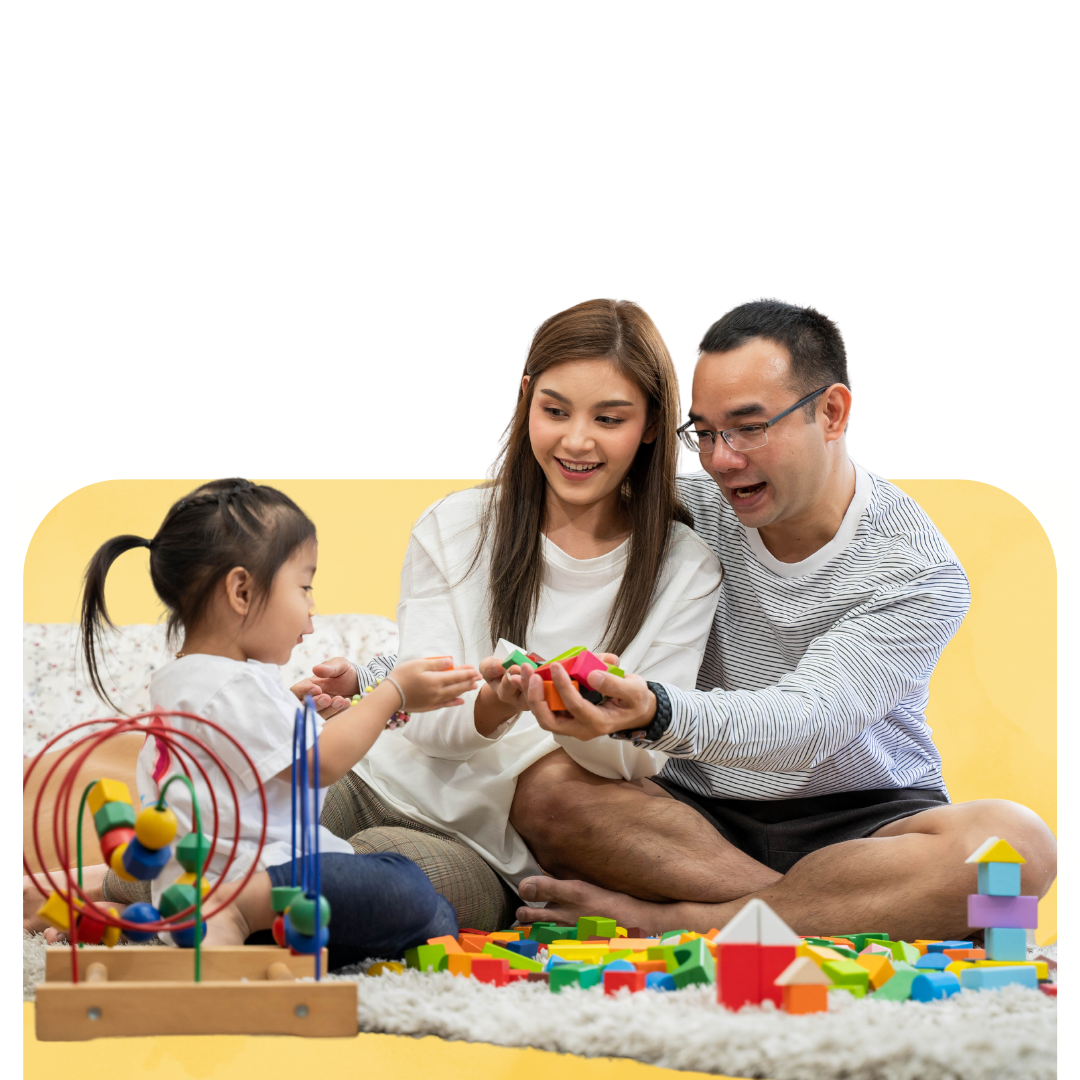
(630, 705)
(332, 686)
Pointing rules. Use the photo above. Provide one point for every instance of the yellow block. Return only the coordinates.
(107, 791)
(55, 911)
(820, 954)
(879, 967)
(1042, 968)
(958, 965)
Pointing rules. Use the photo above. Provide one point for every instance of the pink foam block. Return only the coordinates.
(578, 667)
(1016, 912)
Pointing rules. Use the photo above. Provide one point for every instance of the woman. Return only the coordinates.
(579, 540)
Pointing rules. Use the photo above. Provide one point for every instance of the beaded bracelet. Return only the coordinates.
(399, 719)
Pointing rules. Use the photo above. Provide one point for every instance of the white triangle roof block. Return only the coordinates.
(772, 930)
(757, 924)
(743, 928)
(994, 849)
(504, 649)
(802, 971)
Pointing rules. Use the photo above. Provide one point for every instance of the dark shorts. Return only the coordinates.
(780, 832)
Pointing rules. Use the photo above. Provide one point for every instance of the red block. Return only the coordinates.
(773, 959)
(616, 980)
(113, 839)
(515, 976)
(1049, 989)
(88, 929)
(738, 975)
(495, 970)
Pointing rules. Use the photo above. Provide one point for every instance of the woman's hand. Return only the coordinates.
(505, 684)
(332, 686)
(630, 704)
(434, 684)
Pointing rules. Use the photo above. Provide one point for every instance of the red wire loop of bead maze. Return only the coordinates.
(151, 724)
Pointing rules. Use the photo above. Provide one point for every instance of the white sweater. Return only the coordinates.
(439, 769)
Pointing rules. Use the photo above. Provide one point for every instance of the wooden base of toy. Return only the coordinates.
(134, 991)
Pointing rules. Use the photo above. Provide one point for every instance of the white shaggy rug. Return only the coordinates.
(1007, 1034)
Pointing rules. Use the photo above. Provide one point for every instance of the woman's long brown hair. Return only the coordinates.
(621, 332)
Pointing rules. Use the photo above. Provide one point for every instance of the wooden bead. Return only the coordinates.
(106, 791)
(278, 930)
(155, 828)
(386, 967)
(142, 863)
(185, 939)
(302, 943)
(116, 861)
(189, 879)
(141, 913)
(301, 913)
(185, 852)
(111, 937)
(114, 815)
(111, 840)
(55, 911)
(281, 896)
(176, 898)
(89, 929)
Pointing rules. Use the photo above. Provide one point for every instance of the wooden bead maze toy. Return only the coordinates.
(94, 989)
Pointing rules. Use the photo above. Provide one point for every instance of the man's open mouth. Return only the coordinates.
(748, 492)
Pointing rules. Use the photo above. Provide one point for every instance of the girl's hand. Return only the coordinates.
(332, 686)
(506, 684)
(433, 684)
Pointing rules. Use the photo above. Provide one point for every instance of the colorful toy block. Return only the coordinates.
(904, 950)
(848, 975)
(189, 879)
(994, 849)
(517, 657)
(803, 987)
(941, 946)
(472, 943)
(582, 665)
(448, 942)
(142, 863)
(933, 961)
(427, 958)
(516, 961)
(923, 944)
(860, 941)
(551, 696)
(614, 981)
(385, 967)
(301, 913)
(999, 879)
(820, 954)
(738, 977)
(460, 963)
(649, 966)
(878, 966)
(491, 969)
(595, 926)
(571, 974)
(932, 985)
(981, 978)
(155, 828)
(1005, 943)
(656, 980)
(185, 939)
(106, 791)
(1041, 967)
(772, 960)
(176, 898)
(898, 988)
(966, 954)
(114, 815)
(503, 936)
(141, 912)
(695, 965)
(875, 948)
(1010, 912)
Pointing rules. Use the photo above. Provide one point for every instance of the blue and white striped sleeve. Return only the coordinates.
(849, 678)
(378, 668)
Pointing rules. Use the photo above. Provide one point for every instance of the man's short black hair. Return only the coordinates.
(818, 357)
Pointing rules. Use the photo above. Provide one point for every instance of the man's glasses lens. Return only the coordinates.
(748, 437)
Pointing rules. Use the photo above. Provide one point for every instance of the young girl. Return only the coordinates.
(233, 563)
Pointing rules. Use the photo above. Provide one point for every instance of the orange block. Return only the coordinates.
(922, 943)
(448, 941)
(843, 942)
(551, 696)
(637, 944)
(651, 965)
(820, 954)
(965, 954)
(473, 943)
(805, 999)
(504, 935)
(460, 963)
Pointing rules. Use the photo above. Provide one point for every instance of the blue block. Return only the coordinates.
(301, 943)
(932, 985)
(941, 946)
(555, 961)
(659, 980)
(622, 965)
(999, 878)
(1006, 943)
(990, 978)
(142, 863)
(525, 947)
(933, 961)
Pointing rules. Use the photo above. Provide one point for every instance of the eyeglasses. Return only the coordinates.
(744, 437)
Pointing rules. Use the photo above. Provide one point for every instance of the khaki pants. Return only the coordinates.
(352, 811)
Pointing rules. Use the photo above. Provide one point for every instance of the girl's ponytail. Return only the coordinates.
(95, 616)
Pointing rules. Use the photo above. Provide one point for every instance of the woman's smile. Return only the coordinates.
(578, 470)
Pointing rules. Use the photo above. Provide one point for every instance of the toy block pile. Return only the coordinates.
(578, 662)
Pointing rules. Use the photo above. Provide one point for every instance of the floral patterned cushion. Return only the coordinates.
(57, 693)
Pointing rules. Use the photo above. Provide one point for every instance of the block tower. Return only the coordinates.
(998, 908)
(751, 951)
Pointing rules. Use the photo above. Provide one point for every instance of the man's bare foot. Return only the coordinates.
(567, 901)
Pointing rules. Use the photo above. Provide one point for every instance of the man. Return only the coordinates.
(801, 770)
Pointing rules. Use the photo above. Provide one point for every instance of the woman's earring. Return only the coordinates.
(626, 491)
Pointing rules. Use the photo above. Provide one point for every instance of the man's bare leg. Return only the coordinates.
(630, 837)
(908, 880)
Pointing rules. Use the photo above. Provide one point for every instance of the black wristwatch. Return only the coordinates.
(661, 720)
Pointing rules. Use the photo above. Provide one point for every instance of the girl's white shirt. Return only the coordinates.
(439, 769)
(247, 700)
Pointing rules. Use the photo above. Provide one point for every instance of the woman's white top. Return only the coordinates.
(439, 769)
(249, 702)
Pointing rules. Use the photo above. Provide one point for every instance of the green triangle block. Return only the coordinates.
(901, 950)
(595, 926)
(517, 961)
(898, 988)
(695, 964)
(427, 958)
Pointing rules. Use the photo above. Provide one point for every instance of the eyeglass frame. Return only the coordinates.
(684, 430)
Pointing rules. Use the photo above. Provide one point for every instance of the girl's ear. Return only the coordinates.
(238, 590)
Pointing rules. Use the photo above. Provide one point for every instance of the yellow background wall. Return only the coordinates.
(992, 697)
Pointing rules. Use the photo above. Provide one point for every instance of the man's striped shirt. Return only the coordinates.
(815, 677)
